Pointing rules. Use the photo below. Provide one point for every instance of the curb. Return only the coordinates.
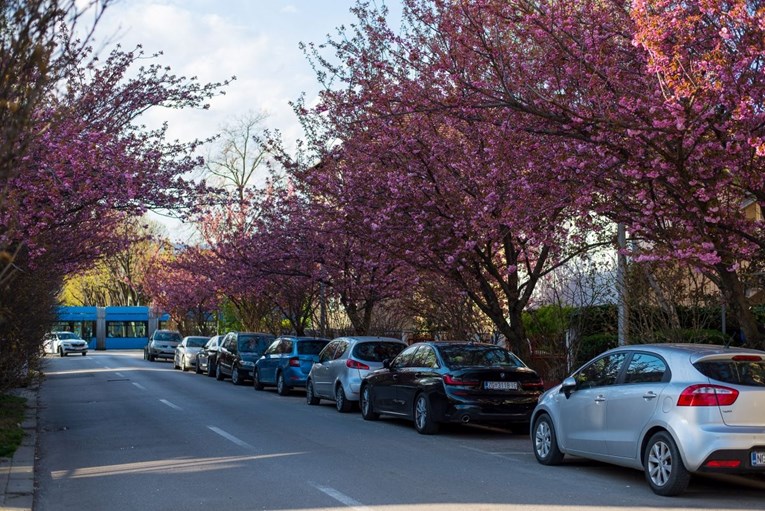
(17, 474)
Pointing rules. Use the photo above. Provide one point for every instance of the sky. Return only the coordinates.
(255, 40)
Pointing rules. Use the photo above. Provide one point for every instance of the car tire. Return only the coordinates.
(197, 369)
(281, 386)
(211, 368)
(256, 380)
(423, 416)
(84, 353)
(218, 373)
(61, 352)
(367, 408)
(175, 366)
(664, 469)
(310, 395)
(341, 401)
(545, 441)
(151, 357)
(236, 377)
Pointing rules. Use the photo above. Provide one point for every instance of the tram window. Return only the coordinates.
(126, 328)
(85, 329)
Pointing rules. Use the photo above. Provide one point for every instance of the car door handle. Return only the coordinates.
(600, 398)
(650, 395)
(395, 377)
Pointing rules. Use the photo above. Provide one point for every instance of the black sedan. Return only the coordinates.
(435, 382)
(208, 355)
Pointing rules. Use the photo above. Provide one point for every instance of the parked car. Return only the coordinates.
(161, 344)
(238, 353)
(287, 362)
(343, 363)
(207, 356)
(186, 352)
(435, 382)
(670, 410)
(64, 343)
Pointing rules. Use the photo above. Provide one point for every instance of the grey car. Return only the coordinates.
(186, 352)
(161, 344)
(343, 363)
(669, 410)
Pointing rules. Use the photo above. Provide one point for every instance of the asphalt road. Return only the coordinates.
(120, 433)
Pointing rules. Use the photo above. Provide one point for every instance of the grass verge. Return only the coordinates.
(12, 410)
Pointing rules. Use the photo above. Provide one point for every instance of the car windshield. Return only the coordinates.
(167, 336)
(475, 356)
(254, 343)
(741, 371)
(196, 342)
(310, 347)
(67, 336)
(377, 351)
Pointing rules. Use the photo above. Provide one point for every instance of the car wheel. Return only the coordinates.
(211, 369)
(61, 352)
(256, 380)
(545, 442)
(151, 357)
(218, 373)
(281, 386)
(664, 469)
(197, 368)
(367, 409)
(236, 378)
(310, 396)
(341, 402)
(84, 353)
(423, 416)
(175, 364)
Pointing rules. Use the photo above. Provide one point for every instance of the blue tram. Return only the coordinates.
(110, 328)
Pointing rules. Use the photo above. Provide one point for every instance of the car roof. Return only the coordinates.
(369, 338)
(691, 350)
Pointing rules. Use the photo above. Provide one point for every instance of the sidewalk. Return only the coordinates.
(17, 475)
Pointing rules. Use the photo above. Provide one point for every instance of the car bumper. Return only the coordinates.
(162, 354)
(701, 445)
(74, 350)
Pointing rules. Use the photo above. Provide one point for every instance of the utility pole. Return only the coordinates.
(621, 286)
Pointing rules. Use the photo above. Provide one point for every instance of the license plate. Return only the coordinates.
(758, 458)
(500, 385)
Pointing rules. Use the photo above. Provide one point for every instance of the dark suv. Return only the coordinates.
(161, 344)
(238, 353)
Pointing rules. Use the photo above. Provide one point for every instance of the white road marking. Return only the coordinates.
(120, 375)
(138, 385)
(231, 438)
(340, 497)
(171, 405)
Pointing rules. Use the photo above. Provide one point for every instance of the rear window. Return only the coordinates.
(377, 351)
(740, 372)
(478, 356)
(254, 343)
(310, 347)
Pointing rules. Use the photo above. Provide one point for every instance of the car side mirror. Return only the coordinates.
(568, 386)
(386, 363)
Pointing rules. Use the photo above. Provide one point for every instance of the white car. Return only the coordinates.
(64, 343)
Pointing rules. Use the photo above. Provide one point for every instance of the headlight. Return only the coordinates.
(247, 363)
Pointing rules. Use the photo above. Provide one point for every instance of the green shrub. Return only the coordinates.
(11, 416)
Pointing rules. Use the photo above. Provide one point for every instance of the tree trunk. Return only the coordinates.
(735, 297)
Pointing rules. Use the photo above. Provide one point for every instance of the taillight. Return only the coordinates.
(355, 364)
(747, 358)
(533, 385)
(295, 362)
(723, 464)
(707, 395)
(452, 380)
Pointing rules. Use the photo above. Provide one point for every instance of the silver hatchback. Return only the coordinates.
(667, 409)
(342, 365)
